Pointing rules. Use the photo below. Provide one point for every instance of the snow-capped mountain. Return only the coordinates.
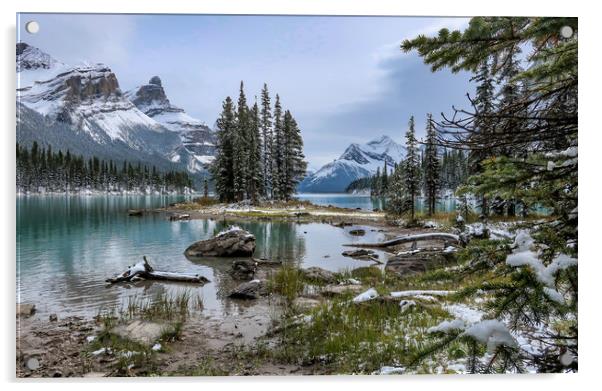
(198, 140)
(358, 161)
(82, 108)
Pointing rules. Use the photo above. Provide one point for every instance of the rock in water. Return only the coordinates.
(249, 290)
(360, 254)
(233, 242)
(357, 232)
(243, 269)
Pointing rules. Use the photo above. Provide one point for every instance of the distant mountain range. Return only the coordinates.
(82, 108)
(358, 161)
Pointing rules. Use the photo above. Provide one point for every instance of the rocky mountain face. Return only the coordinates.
(82, 108)
(198, 140)
(357, 161)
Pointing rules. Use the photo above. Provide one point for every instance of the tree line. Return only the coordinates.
(259, 151)
(39, 167)
(446, 166)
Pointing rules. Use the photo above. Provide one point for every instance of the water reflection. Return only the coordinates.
(67, 246)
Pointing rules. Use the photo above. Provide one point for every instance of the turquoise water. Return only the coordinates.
(68, 245)
(367, 202)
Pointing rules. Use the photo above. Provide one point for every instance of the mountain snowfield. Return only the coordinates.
(358, 161)
(82, 108)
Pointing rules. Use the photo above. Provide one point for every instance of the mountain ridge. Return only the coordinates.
(357, 161)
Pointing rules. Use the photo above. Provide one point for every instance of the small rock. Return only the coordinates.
(318, 274)
(357, 232)
(249, 290)
(360, 254)
(243, 269)
(25, 310)
(337, 290)
(53, 318)
(57, 373)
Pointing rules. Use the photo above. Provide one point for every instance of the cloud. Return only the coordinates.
(405, 87)
(76, 38)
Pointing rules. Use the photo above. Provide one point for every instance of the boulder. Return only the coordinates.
(25, 310)
(233, 242)
(317, 274)
(249, 290)
(141, 331)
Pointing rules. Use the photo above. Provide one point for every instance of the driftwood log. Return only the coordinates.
(144, 271)
(409, 239)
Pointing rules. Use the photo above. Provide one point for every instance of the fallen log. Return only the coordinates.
(144, 271)
(409, 239)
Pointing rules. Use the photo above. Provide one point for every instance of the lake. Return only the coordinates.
(366, 202)
(68, 245)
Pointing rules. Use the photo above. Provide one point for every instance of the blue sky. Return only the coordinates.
(344, 78)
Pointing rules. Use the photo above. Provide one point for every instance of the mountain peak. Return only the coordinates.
(384, 139)
(30, 57)
(155, 80)
(358, 161)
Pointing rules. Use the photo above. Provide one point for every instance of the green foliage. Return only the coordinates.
(523, 154)
(259, 155)
(42, 167)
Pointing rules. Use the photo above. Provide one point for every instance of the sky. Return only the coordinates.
(344, 78)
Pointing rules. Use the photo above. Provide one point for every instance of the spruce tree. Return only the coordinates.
(431, 167)
(534, 137)
(411, 169)
(222, 169)
(294, 165)
(266, 140)
(384, 186)
(376, 182)
(277, 150)
(240, 141)
(255, 171)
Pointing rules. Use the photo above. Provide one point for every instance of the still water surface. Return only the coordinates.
(68, 245)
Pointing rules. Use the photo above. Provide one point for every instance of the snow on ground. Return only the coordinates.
(365, 296)
(464, 312)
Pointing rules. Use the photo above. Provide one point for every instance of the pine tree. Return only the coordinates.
(536, 105)
(431, 167)
(294, 166)
(384, 185)
(376, 182)
(255, 171)
(240, 142)
(266, 140)
(277, 150)
(222, 169)
(205, 187)
(411, 169)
